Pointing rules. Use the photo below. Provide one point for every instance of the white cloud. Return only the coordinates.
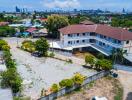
(62, 4)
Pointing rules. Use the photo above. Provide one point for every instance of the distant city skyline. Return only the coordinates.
(41, 5)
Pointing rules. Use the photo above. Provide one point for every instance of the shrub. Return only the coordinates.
(90, 59)
(10, 63)
(6, 47)
(66, 83)
(55, 88)
(69, 61)
(28, 46)
(100, 56)
(2, 42)
(7, 55)
(11, 79)
(78, 79)
(51, 54)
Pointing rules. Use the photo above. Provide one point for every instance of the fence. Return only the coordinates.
(64, 91)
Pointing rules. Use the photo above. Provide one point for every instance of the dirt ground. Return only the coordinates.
(105, 87)
(125, 78)
(81, 54)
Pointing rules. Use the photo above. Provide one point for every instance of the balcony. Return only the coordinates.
(87, 37)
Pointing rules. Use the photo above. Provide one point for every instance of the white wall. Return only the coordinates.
(128, 46)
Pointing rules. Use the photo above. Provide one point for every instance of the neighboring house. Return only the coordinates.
(31, 30)
(40, 33)
(103, 38)
(87, 22)
(4, 23)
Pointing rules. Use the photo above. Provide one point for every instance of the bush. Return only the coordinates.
(69, 61)
(55, 88)
(66, 83)
(100, 56)
(6, 47)
(51, 54)
(2, 42)
(10, 63)
(90, 59)
(28, 45)
(11, 79)
(78, 79)
(7, 55)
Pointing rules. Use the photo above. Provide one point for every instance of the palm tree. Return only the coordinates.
(118, 55)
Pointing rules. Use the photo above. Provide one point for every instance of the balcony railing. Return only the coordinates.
(96, 38)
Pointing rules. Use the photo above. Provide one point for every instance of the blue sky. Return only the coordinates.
(113, 5)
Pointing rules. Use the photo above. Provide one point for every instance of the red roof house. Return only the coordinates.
(31, 30)
(113, 32)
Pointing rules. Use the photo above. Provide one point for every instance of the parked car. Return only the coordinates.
(36, 54)
(99, 98)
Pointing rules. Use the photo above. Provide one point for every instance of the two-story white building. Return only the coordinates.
(103, 38)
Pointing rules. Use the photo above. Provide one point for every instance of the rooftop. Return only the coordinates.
(113, 32)
(87, 22)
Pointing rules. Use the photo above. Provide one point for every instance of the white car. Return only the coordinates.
(97, 98)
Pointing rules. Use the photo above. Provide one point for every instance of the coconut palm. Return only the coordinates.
(118, 55)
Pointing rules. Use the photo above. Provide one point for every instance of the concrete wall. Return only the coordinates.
(127, 46)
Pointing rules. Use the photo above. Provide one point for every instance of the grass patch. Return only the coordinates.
(119, 92)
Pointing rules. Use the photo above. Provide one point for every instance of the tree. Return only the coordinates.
(42, 46)
(104, 64)
(54, 23)
(118, 53)
(90, 59)
(22, 29)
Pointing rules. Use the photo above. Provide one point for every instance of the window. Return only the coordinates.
(104, 37)
(69, 35)
(127, 42)
(119, 41)
(77, 34)
(92, 41)
(103, 44)
(125, 51)
(69, 42)
(77, 41)
(83, 41)
(83, 34)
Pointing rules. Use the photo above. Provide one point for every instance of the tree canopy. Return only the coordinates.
(54, 23)
(42, 46)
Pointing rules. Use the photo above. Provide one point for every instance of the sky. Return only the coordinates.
(112, 5)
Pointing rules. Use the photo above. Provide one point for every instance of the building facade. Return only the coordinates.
(100, 37)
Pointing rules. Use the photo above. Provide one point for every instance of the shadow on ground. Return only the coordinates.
(129, 96)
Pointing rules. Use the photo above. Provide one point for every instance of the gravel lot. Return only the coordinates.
(43, 72)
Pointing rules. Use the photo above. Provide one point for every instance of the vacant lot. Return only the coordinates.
(42, 72)
(105, 87)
